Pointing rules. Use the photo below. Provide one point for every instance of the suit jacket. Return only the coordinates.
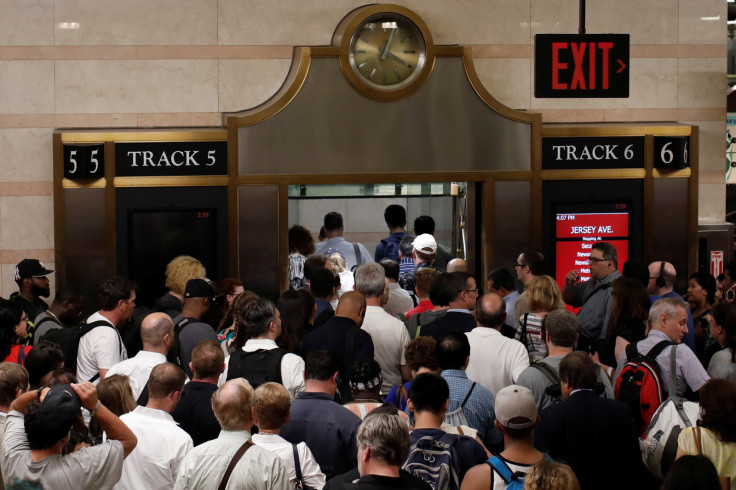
(596, 437)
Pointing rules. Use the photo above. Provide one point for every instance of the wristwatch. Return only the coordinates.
(39, 391)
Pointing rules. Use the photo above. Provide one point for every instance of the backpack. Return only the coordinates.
(435, 461)
(639, 384)
(68, 340)
(554, 390)
(514, 479)
(344, 392)
(175, 352)
(457, 417)
(391, 248)
(261, 366)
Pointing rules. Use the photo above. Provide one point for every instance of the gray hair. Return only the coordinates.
(666, 306)
(387, 436)
(370, 280)
(609, 251)
(562, 327)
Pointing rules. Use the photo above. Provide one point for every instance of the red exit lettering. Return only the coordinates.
(578, 50)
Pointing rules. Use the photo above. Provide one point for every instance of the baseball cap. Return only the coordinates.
(59, 410)
(425, 243)
(199, 288)
(30, 268)
(516, 403)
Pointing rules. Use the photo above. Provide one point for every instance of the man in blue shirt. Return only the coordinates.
(662, 277)
(388, 248)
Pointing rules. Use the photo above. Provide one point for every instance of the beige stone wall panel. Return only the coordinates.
(508, 80)
(26, 155)
(142, 86)
(702, 22)
(26, 22)
(286, 22)
(132, 22)
(701, 82)
(27, 222)
(26, 87)
(247, 83)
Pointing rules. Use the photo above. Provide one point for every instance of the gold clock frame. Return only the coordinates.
(349, 27)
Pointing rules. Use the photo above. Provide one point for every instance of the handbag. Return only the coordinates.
(658, 442)
(298, 469)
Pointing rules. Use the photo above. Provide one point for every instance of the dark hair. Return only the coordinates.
(707, 282)
(406, 245)
(424, 224)
(688, 472)
(364, 371)
(300, 240)
(421, 352)
(321, 283)
(636, 269)
(165, 379)
(38, 435)
(61, 376)
(391, 267)
(333, 221)
(320, 365)
(609, 252)
(717, 408)
(429, 392)
(447, 286)
(731, 269)
(491, 320)
(291, 309)
(630, 308)
(308, 298)
(314, 263)
(502, 278)
(535, 261)
(241, 336)
(42, 359)
(452, 350)
(113, 290)
(10, 315)
(577, 369)
(207, 358)
(395, 215)
(228, 285)
(257, 317)
(724, 314)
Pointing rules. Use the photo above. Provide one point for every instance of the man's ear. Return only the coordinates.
(447, 405)
(222, 368)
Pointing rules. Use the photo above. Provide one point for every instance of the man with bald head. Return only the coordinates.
(457, 265)
(205, 465)
(157, 334)
(342, 336)
(662, 279)
(495, 361)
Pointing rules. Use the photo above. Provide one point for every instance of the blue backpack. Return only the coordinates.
(435, 461)
(391, 248)
(514, 479)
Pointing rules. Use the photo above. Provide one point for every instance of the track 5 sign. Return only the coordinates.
(581, 65)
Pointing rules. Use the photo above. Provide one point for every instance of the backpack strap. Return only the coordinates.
(21, 355)
(553, 389)
(501, 468)
(143, 397)
(468, 395)
(88, 327)
(672, 385)
(358, 256)
(523, 329)
(43, 320)
(657, 349)
(600, 287)
(233, 463)
(298, 469)
(349, 358)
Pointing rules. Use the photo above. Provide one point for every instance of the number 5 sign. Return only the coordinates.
(84, 161)
(671, 152)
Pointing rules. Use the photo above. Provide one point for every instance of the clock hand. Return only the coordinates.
(388, 44)
(396, 58)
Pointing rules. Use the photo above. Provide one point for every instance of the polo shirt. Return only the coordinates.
(327, 428)
(495, 361)
(194, 412)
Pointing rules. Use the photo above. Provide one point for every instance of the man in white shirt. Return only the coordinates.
(162, 444)
(399, 299)
(389, 334)
(157, 334)
(261, 360)
(495, 361)
(102, 347)
(258, 468)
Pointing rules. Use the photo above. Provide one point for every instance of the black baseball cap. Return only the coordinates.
(199, 288)
(31, 268)
(59, 410)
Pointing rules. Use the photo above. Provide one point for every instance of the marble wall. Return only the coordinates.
(181, 63)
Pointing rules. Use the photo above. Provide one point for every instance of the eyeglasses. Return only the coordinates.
(519, 265)
(596, 259)
(471, 290)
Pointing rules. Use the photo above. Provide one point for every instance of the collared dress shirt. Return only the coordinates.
(311, 473)
(138, 369)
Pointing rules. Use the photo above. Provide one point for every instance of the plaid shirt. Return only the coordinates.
(478, 410)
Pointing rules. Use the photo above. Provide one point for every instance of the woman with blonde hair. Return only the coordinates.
(544, 296)
(551, 475)
(116, 394)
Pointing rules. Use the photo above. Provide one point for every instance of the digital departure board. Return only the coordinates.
(578, 226)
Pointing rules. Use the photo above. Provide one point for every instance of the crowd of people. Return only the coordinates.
(394, 370)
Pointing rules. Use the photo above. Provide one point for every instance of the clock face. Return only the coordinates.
(387, 51)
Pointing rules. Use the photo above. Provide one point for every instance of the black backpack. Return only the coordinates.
(68, 340)
(261, 366)
(554, 390)
(175, 352)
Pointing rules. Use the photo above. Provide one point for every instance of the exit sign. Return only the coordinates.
(581, 65)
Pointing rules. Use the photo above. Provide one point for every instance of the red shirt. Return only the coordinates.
(16, 356)
(423, 306)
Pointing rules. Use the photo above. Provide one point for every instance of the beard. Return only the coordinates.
(41, 292)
